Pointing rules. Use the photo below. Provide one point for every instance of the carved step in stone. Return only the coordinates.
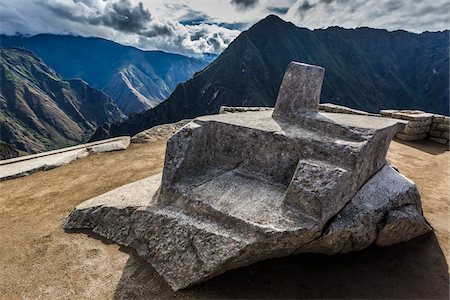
(243, 187)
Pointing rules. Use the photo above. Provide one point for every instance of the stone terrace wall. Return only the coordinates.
(419, 123)
(334, 108)
(439, 131)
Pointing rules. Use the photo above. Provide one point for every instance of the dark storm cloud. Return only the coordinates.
(305, 6)
(120, 15)
(158, 30)
(244, 4)
(187, 27)
(124, 17)
(214, 41)
(135, 24)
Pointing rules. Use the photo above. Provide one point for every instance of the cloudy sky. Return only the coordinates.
(192, 27)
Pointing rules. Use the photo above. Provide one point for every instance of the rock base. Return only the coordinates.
(385, 212)
(244, 187)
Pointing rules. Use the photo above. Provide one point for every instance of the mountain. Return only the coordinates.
(367, 69)
(137, 80)
(7, 151)
(39, 111)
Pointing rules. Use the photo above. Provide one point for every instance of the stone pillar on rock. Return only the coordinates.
(299, 92)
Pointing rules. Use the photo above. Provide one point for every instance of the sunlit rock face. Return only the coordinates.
(238, 188)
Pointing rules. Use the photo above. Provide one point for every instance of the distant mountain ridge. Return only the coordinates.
(367, 69)
(39, 111)
(137, 80)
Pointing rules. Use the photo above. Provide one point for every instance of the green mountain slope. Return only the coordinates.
(39, 111)
(7, 151)
(137, 80)
(367, 69)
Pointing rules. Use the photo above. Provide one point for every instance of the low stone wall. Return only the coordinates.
(439, 131)
(418, 126)
(29, 164)
(334, 108)
(239, 109)
(415, 125)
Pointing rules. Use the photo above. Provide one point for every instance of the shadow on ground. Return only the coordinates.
(415, 269)
(427, 146)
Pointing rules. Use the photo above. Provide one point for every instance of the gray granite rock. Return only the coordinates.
(385, 211)
(439, 140)
(238, 109)
(299, 91)
(238, 188)
(157, 133)
(411, 137)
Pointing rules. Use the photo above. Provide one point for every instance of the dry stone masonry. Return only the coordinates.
(439, 131)
(421, 125)
(418, 126)
(334, 108)
(238, 188)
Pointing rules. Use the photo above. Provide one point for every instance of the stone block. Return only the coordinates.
(362, 220)
(408, 137)
(416, 120)
(445, 135)
(435, 133)
(299, 92)
(239, 109)
(114, 144)
(157, 133)
(419, 123)
(439, 119)
(416, 130)
(439, 140)
(240, 188)
(443, 127)
(334, 108)
(389, 113)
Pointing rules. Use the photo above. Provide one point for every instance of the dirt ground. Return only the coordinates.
(38, 260)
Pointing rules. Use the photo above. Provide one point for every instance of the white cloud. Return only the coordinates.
(192, 27)
(415, 16)
(118, 20)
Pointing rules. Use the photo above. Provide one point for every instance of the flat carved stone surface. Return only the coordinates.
(243, 187)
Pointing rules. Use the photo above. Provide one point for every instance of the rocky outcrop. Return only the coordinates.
(157, 133)
(334, 108)
(243, 187)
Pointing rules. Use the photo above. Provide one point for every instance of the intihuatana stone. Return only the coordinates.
(238, 188)
(299, 91)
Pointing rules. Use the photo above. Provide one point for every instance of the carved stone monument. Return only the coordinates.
(243, 187)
